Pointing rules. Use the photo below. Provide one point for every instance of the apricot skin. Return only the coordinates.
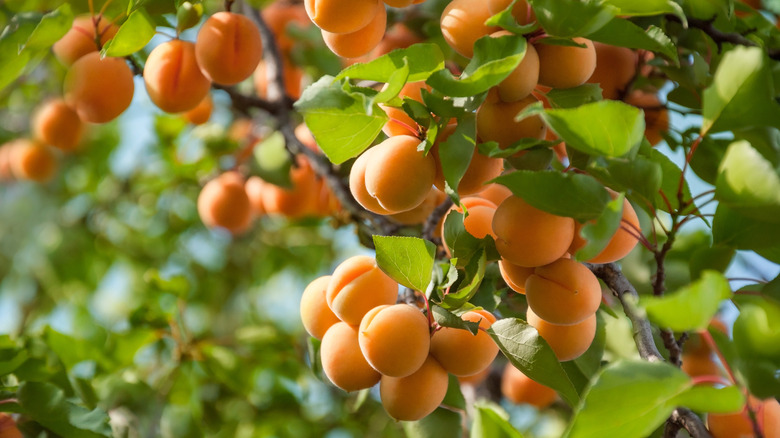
(461, 353)
(173, 78)
(738, 424)
(519, 84)
(519, 388)
(201, 113)
(564, 292)
(521, 10)
(99, 89)
(656, 116)
(223, 202)
(293, 76)
(357, 286)
(395, 339)
(32, 160)
(415, 396)
(566, 66)
(463, 23)
(297, 201)
(342, 16)
(359, 42)
(621, 243)
(479, 221)
(279, 15)
(316, 316)
(481, 167)
(514, 276)
(254, 187)
(357, 184)
(568, 342)
(615, 67)
(342, 360)
(495, 193)
(412, 90)
(8, 427)
(496, 121)
(420, 214)
(80, 39)
(56, 124)
(228, 48)
(529, 237)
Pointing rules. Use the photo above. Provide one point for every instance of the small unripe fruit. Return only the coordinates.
(223, 202)
(173, 78)
(460, 352)
(56, 124)
(415, 396)
(395, 339)
(519, 388)
(357, 286)
(99, 89)
(568, 342)
(228, 48)
(316, 316)
(342, 360)
(563, 292)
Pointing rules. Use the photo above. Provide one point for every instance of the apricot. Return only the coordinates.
(519, 84)
(202, 112)
(359, 42)
(564, 292)
(8, 427)
(316, 316)
(342, 16)
(228, 48)
(399, 36)
(254, 187)
(568, 342)
(514, 276)
(342, 360)
(420, 214)
(529, 237)
(32, 160)
(56, 124)
(99, 89)
(566, 66)
(738, 424)
(460, 352)
(463, 23)
(173, 78)
(496, 120)
(519, 388)
(357, 286)
(395, 339)
(280, 15)
(474, 379)
(495, 193)
(304, 135)
(479, 220)
(696, 365)
(297, 201)
(5, 162)
(415, 396)
(293, 77)
(326, 203)
(400, 123)
(357, 184)
(656, 114)
(621, 243)
(481, 168)
(522, 11)
(223, 202)
(615, 68)
(80, 39)
(388, 173)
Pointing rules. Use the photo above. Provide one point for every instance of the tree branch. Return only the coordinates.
(720, 37)
(684, 418)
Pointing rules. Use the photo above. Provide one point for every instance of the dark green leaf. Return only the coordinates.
(624, 33)
(46, 404)
(469, 285)
(571, 18)
(455, 154)
(574, 97)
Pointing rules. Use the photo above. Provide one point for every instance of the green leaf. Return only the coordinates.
(574, 97)
(757, 329)
(564, 194)
(692, 307)
(51, 28)
(407, 260)
(73, 350)
(188, 15)
(442, 422)
(272, 161)
(748, 183)
(731, 228)
(670, 182)
(531, 354)
(741, 94)
(15, 35)
(623, 33)
(492, 421)
(445, 318)
(572, 18)
(338, 119)
(423, 59)
(455, 154)
(454, 397)
(506, 20)
(647, 7)
(598, 234)
(132, 36)
(705, 398)
(494, 59)
(716, 258)
(461, 244)
(394, 85)
(469, 285)
(10, 360)
(46, 404)
(639, 176)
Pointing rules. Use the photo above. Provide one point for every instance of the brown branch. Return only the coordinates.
(684, 418)
(720, 37)
(431, 224)
(244, 103)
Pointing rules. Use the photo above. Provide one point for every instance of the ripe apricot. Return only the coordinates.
(463, 22)
(474, 379)
(357, 286)
(297, 201)
(342, 16)
(80, 39)
(388, 169)
(496, 120)
(342, 360)
(32, 160)
(529, 237)
(615, 67)
(495, 193)
(395, 339)
(566, 66)
(568, 342)
(519, 388)
(415, 396)
(357, 184)
(316, 316)
(228, 48)
(563, 292)
(399, 36)
(522, 11)
(481, 167)
(8, 427)
(738, 424)
(621, 243)
(223, 202)
(656, 114)
(696, 365)
(99, 89)
(359, 42)
(519, 84)
(420, 214)
(326, 203)
(173, 79)
(400, 123)
(254, 187)
(461, 353)
(56, 124)
(479, 220)
(293, 77)
(280, 15)
(5, 162)
(514, 276)
(202, 112)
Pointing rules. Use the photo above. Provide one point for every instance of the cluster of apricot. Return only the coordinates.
(367, 338)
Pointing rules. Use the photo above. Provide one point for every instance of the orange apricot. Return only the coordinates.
(173, 79)
(395, 339)
(495, 193)
(316, 316)
(415, 396)
(656, 114)
(400, 122)
(32, 160)
(223, 202)
(522, 11)
(228, 48)
(420, 214)
(357, 286)
(8, 427)
(99, 89)
(514, 276)
(357, 184)
(297, 201)
(202, 112)
(304, 135)
(496, 120)
(399, 36)
(461, 353)
(293, 78)
(80, 39)
(479, 220)
(696, 365)
(615, 68)
(568, 342)
(280, 15)
(388, 170)
(621, 243)
(342, 16)
(342, 360)
(56, 124)
(254, 187)
(529, 237)
(359, 42)
(480, 170)
(5, 162)
(463, 23)
(566, 66)
(519, 388)
(474, 379)
(738, 424)
(564, 292)
(519, 84)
